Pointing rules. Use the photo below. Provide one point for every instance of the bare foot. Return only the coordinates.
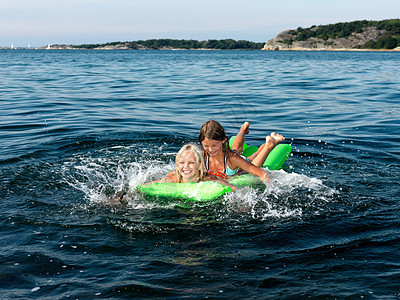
(245, 127)
(270, 141)
(274, 139)
(277, 137)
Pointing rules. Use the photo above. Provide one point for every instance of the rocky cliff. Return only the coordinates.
(357, 40)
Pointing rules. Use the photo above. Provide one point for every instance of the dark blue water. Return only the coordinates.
(78, 126)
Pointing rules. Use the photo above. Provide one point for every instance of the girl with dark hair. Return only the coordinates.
(222, 161)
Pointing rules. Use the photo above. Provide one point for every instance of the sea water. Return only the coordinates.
(77, 127)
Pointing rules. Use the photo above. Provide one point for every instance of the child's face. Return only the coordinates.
(188, 166)
(212, 147)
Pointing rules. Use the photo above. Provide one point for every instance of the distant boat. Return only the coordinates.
(48, 46)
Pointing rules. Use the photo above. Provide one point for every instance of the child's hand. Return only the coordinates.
(265, 178)
(233, 188)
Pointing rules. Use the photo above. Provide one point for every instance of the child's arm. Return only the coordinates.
(171, 177)
(219, 180)
(238, 162)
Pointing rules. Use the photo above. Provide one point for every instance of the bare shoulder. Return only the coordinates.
(236, 160)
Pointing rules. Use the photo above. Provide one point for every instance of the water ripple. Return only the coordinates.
(79, 126)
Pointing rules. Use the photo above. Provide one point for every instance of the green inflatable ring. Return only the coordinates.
(209, 191)
(275, 158)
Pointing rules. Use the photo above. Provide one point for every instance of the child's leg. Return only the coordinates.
(260, 156)
(278, 138)
(238, 142)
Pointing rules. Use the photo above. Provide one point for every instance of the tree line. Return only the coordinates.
(226, 44)
(389, 40)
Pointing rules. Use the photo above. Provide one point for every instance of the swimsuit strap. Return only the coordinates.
(215, 173)
(225, 163)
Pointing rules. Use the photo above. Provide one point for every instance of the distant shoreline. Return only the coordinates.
(334, 50)
(165, 44)
(209, 49)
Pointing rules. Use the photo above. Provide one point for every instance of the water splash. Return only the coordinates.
(100, 176)
(287, 195)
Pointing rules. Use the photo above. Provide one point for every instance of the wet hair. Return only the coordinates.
(212, 130)
(199, 159)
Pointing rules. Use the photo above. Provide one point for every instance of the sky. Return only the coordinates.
(35, 23)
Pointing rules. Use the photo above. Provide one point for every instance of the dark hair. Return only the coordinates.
(212, 130)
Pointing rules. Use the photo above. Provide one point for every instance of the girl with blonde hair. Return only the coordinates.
(190, 167)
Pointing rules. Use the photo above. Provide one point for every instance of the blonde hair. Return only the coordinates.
(199, 159)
